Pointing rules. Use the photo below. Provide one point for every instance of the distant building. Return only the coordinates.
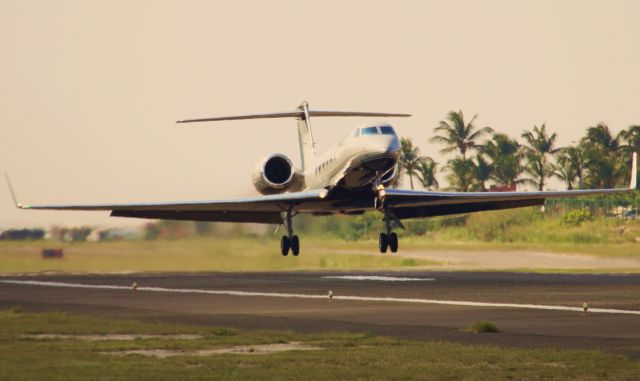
(116, 234)
(77, 234)
(22, 234)
(503, 188)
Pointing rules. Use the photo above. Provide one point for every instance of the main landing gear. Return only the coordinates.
(289, 241)
(389, 239)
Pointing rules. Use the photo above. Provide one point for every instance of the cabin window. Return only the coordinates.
(370, 131)
(387, 130)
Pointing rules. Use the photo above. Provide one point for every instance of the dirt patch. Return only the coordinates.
(511, 259)
(263, 349)
(111, 337)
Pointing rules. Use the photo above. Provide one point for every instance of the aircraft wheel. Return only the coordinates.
(295, 245)
(285, 245)
(393, 242)
(383, 243)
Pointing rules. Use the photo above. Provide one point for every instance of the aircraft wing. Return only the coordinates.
(269, 209)
(416, 204)
(262, 209)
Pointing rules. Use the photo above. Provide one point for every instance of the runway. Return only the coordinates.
(532, 310)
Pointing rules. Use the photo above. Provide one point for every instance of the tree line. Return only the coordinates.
(600, 159)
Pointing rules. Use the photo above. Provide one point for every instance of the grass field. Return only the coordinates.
(335, 356)
(262, 254)
(197, 254)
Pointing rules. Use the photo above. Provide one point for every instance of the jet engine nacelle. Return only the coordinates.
(276, 174)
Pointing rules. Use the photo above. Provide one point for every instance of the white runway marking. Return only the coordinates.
(378, 277)
(312, 296)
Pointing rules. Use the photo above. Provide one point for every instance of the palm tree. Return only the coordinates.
(460, 174)
(427, 173)
(482, 170)
(569, 167)
(458, 135)
(539, 146)
(605, 167)
(632, 137)
(505, 156)
(409, 159)
(600, 136)
(564, 172)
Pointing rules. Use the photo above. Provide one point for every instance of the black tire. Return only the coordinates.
(295, 245)
(393, 242)
(383, 243)
(285, 245)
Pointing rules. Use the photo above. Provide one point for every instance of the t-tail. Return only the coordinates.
(305, 134)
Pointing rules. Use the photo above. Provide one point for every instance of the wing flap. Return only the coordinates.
(444, 210)
(256, 217)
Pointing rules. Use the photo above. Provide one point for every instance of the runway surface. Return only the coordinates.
(532, 310)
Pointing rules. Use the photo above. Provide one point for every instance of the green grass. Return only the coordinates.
(530, 226)
(196, 254)
(262, 254)
(512, 230)
(342, 355)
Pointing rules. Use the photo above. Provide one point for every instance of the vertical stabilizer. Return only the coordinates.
(305, 138)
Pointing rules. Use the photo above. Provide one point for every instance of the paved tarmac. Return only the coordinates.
(531, 310)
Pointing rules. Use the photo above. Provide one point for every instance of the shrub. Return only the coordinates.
(417, 227)
(494, 226)
(577, 217)
(17, 310)
(484, 326)
(361, 226)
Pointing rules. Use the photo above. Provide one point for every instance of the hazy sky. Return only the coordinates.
(90, 90)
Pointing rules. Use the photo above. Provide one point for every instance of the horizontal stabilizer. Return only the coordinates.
(297, 114)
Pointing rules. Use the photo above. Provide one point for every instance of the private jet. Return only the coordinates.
(351, 178)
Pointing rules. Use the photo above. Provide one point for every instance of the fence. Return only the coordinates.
(605, 207)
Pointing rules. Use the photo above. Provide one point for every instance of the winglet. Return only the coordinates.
(633, 184)
(13, 194)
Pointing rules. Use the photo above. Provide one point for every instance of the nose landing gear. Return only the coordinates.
(388, 239)
(289, 241)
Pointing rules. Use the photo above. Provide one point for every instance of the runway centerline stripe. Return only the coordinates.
(316, 296)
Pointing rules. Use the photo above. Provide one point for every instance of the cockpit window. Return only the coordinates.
(387, 130)
(370, 131)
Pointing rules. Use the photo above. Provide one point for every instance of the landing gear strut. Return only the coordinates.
(388, 239)
(289, 241)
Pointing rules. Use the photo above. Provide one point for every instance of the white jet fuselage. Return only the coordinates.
(354, 162)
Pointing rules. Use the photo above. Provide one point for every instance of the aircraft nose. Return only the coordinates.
(385, 144)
